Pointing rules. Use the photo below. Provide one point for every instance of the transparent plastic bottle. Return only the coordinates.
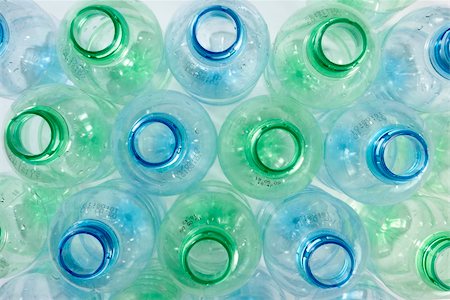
(378, 152)
(410, 245)
(270, 148)
(165, 141)
(23, 226)
(325, 56)
(415, 66)
(59, 136)
(27, 48)
(210, 241)
(104, 236)
(113, 49)
(366, 289)
(218, 49)
(314, 244)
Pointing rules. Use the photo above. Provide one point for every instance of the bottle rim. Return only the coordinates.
(439, 51)
(4, 34)
(233, 48)
(59, 135)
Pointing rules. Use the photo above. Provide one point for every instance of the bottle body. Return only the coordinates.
(410, 244)
(314, 245)
(165, 141)
(23, 226)
(104, 236)
(217, 50)
(270, 149)
(325, 57)
(47, 133)
(378, 152)
(209, 240)
(113, 49)
(415, 64)
(27, 48)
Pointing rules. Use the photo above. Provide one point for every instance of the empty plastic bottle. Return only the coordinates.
(270, 148)
(113, 49)
(378, 152)
(59, 136)
(410, 246)
(324, 56)
(415, 65)
(366, 288)
(210, 241)
(104, 236)
(164, 140)
(218, 49)
(23, 226)
(314, 244)
(27, 48)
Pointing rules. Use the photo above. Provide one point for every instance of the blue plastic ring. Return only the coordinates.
(4, 34)
(440, 52)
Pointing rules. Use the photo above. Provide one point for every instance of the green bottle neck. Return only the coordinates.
(99, 33)
(337, 46)
(58, 131)
(433, 261)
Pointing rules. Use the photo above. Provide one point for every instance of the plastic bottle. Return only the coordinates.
(164, 140)
(324, 56)
(23, 226)
(104, 236)
(59, 136)
(218, 49)
(378, 152)
(270, 148)
(367, 288)
(113, 49)
(314, 245)
(210, 241)
(27, 48)
(415, 66)
(410, 245)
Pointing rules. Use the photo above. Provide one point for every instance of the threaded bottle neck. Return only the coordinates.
(4, 34)
(433, 261)
(439, 51)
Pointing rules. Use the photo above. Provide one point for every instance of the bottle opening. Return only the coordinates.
(4, 34)
(440, 52)
(276, 146)
(99, 31)
(326, 261)
(87, 249)
(338, 45)
(433, 261)
(209, 256)
(37, 135)
(217, 32)
(398, 154)
(157, 140)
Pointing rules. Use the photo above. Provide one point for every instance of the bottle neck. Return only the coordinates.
(18, 135)
(397, 155)
(209, 255)
(157, 141)
(337, 46)
(99, 33)
(217, 33)
(326, 260)
(87, 249)
(439, 51)
(275, 147)
(4, 34)
(433, 259)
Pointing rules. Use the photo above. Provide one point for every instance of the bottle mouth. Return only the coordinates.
(217, 32)
(440, 51)
(157, 141)
(4, 34)
(433, 259)
(276, 147)
(209, 255)
(87, 249)
(99, 32)
(337, 46)
(398, 155)
(37, 135)
(326, 261)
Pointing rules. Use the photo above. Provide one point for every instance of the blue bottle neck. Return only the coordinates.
(440, 52)
(4, 34)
